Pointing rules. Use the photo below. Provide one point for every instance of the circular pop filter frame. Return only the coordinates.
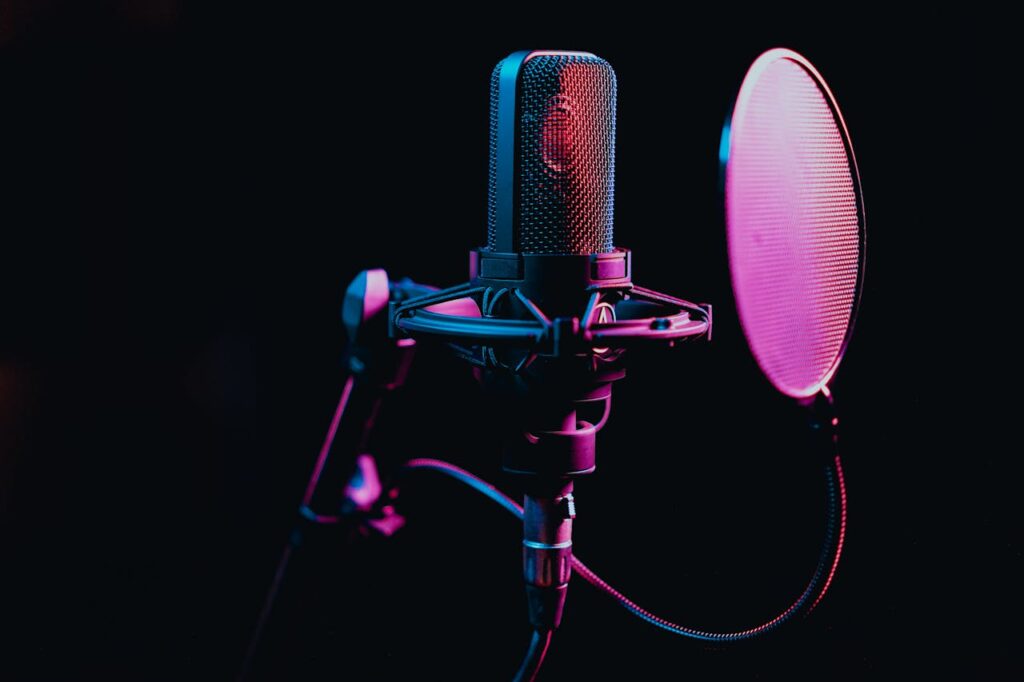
(794, 220)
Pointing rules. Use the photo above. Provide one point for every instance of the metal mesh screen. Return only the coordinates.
(795, 222)
(492, 169)
(566, 155)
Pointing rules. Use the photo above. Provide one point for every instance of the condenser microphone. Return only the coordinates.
(550, 219)
(552, 154)
(556, 304)
(550, 279)
(551, 179)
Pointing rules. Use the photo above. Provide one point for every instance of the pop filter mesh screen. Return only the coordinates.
(795, 222)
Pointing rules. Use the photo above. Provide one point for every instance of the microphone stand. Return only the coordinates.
(344, 490)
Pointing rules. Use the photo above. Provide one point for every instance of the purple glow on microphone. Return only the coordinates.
(795, 222)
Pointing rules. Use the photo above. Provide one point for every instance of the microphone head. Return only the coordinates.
(552, 154)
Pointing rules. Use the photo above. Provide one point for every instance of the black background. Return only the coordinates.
(187, 189)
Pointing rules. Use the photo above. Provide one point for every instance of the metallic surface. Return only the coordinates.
(561, 155)
(547, 537)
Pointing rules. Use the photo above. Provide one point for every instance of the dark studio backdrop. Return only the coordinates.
(187, 190)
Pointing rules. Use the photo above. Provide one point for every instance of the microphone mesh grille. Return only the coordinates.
(795, 223)
(566, 155)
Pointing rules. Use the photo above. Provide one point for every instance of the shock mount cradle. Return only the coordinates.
(547, 335)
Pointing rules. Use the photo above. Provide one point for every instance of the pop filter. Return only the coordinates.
(795, 222)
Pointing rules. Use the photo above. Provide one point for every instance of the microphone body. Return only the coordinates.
(550, 237)
(554, 302)
(551, 180)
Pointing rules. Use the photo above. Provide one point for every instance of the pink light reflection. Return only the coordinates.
(794, 222)
(840, 539)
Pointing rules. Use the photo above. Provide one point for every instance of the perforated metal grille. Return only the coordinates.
(492, 172)
(566, 148)
(795, 224)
